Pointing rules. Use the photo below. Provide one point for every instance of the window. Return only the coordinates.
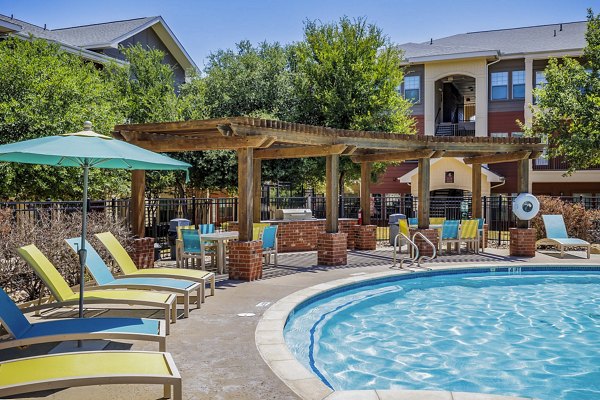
(517, 134)
(412, 88)
(540, 79)
(499, 85)
(499, 134)
(518, 84)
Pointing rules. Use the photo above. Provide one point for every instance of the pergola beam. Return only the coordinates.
(498, 158)
(177, 144)
(299, 152)
(393, 156)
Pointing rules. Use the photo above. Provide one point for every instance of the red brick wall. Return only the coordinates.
(142, 252)
(388, 181)
(505, 121)
(424, 248)
(366, 238)
(332, 249)
(522, 242)
(566, 188)
(420, 124)
(245, 260)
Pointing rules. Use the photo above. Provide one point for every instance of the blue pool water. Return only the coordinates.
(529, 333)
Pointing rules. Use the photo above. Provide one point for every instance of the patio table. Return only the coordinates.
(220, 238)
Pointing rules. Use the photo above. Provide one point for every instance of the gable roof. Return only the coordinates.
(491, 175)
(107, 35)
(569, 36)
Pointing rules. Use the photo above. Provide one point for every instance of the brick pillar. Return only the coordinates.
(484, 239)
(349, 226)
(366, 238)
(245, 260)
(331, 249)
(522, 242)
(142, 252)
(424, 248)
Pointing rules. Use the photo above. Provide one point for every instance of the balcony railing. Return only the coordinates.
(554, 164)
(466, 128)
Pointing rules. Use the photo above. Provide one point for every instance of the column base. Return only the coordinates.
(522, 242)
(245, 260)
(424, 248)
(142, 252)
(366, 237)
(331, 249)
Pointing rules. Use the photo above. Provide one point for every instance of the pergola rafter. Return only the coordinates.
(257, 139)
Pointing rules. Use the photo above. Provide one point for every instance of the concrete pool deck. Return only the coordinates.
(215, 349)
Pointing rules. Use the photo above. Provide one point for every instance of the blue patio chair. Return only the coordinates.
(269, 246)
(24, 333)
(449, 233)
(412, 222)
(207, 248)
(557, 236)
(105, 279)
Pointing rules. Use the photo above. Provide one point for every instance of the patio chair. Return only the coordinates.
(557, 236)
(24, 333)
(191, 248)
(257, 229)
(59, 371)
(207, 248)
(128, 267)
(449, 234)
(413, 222)
(105, 279)
(469, 234)
(269, 244)
(179, 244)
(437, 220)
(65, 296)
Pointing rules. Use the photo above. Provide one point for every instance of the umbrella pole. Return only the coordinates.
(82, 251)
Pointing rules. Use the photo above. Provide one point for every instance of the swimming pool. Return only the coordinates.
(512, 331)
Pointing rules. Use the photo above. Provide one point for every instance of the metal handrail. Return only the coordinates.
(411, 243)
(429, 243)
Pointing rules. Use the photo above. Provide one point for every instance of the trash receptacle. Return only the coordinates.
(394, 226)
(172, 235)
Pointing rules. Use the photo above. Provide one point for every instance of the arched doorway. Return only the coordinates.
(455, 106)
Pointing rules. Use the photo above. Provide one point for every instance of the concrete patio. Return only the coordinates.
(215, 348)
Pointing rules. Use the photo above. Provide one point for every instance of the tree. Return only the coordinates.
(45, 91)
(347, 75)
(567, 114)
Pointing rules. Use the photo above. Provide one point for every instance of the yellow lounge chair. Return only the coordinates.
(119, 254)
(59, 371)
(469, 234)
(66, 296)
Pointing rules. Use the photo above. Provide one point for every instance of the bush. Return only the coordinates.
(47, 230)
(580, 223)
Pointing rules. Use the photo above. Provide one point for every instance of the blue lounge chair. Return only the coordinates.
(556, 235)
(24, 333)
(449, 234)
(105, 279)
(413, 222)
(269, 244)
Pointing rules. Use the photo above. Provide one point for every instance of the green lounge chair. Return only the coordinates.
(59, 371)
(105, 279)
(24, 333)
(119, 254)
(65, 296)
(557, 236)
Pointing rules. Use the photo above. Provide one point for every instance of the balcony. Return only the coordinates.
(554, 164)
(465, 128)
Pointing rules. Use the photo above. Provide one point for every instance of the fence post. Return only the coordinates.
(194, 218)
(498, 225)
(113, 206)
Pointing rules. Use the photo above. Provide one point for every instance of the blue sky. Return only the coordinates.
(203, 26)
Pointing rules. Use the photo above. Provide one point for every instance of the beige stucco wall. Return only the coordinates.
(462, 177)
(473, 67)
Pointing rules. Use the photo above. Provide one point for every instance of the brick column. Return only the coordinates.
(366, 238)
(522, 242)
(331, 249)
(349, 227)
(245, 260)
(424, 248)
(142, 252)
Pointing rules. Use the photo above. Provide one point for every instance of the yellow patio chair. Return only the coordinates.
(64, 295)
(437, 221)
(469, 234)
(258, 228)
(59, 371)
(119, 254)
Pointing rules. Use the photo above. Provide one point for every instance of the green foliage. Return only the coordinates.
(568, 114)
(44, 92)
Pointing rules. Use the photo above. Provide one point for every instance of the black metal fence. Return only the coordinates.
(497, 210)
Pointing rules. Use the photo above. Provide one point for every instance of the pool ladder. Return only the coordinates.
(413, 250)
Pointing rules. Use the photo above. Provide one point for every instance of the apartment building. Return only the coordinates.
(480, 84)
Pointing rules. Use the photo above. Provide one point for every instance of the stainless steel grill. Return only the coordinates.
(293, 214)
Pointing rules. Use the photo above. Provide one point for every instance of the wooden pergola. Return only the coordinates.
(258, 139)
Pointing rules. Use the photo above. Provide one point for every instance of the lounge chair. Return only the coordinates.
(65, 296)
(119, 254)
(556, 235)
(269, 244)
(469, 234)
(59, 371)
(105, 279)
(449, 233)
(24, 333)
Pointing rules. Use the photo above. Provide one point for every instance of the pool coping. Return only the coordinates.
(271, 345)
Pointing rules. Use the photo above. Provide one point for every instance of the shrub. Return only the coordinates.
(580, 223)
(47, 230)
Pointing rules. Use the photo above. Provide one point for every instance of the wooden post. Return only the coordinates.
(423, 183)
(476, 191)
(332, 193)
(365, 192)
(257, 190)
(522, 185)
(138, 202)
(245, 193)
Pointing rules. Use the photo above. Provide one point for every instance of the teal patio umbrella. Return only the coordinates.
(87, 149)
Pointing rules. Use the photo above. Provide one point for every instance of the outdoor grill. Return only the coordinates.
(293, 214)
